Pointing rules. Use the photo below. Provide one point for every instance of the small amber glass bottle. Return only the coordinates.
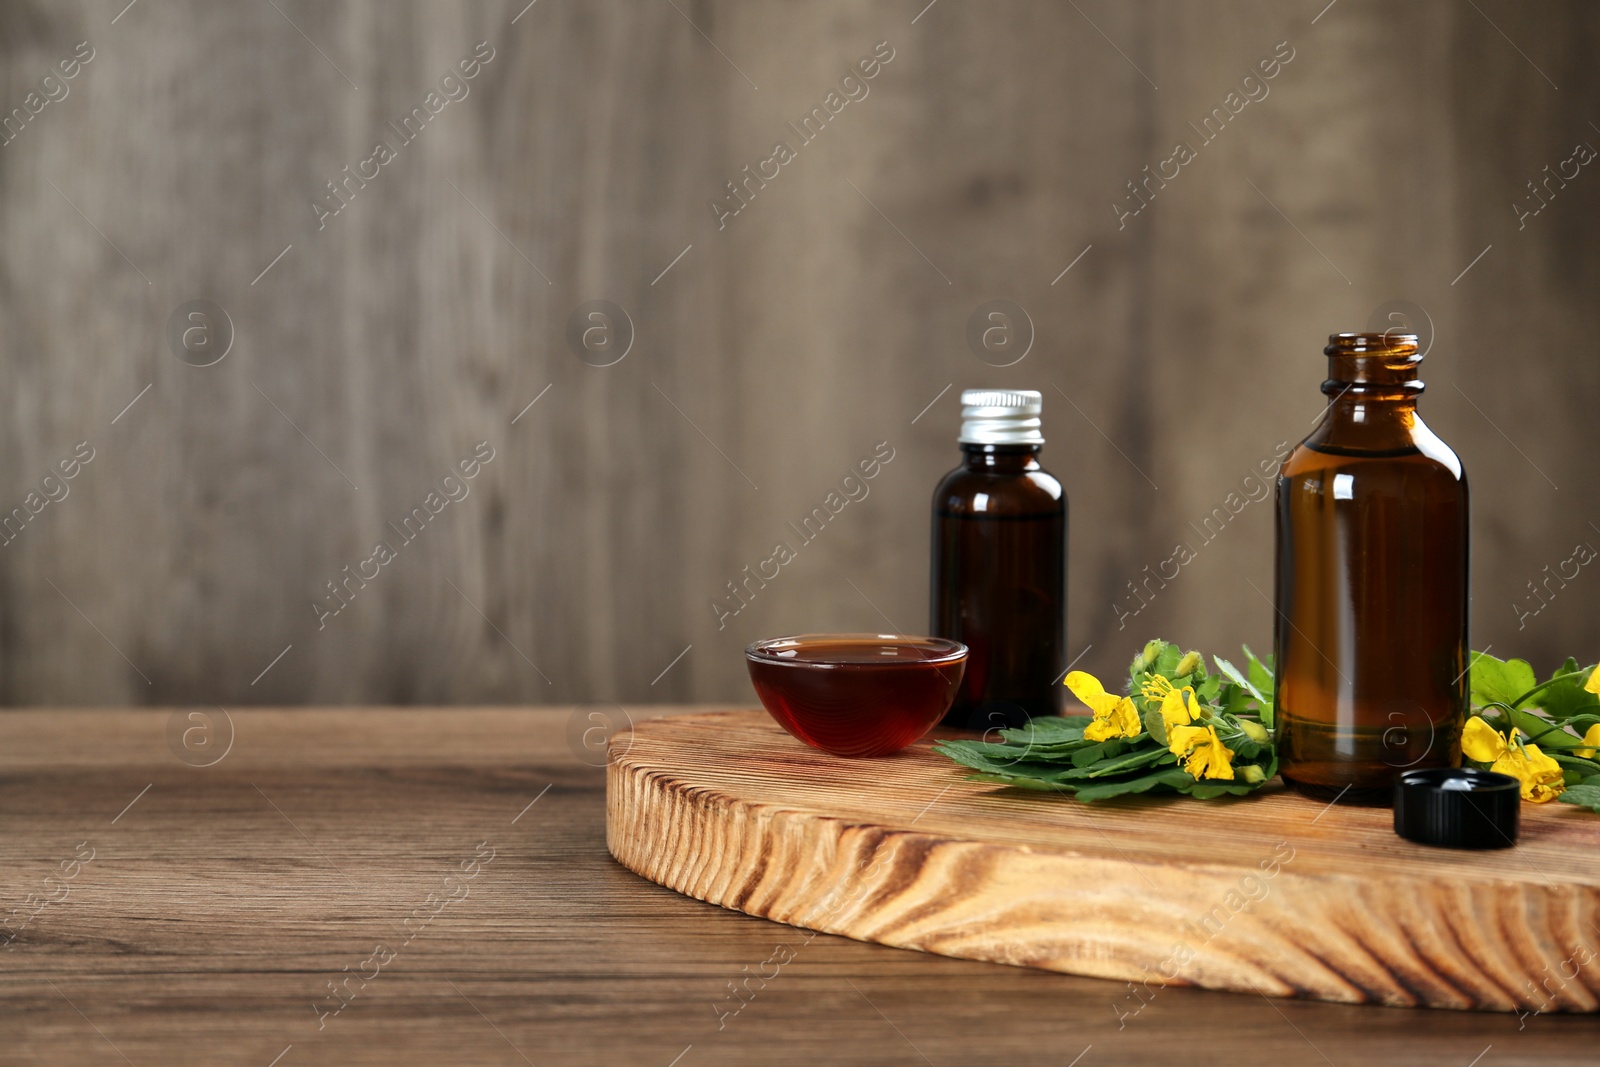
(1371, 624)
(1000, 564)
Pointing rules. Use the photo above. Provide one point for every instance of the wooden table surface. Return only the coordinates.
(447, 869)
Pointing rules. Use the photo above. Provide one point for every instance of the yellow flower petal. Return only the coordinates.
(1511, 763)
(1590, 738)
(1539, 774)
(1481, 742)
(1546, 770)
(1126, 716)
(1100, 730)
(1593, 684)
(1541, 794)
(1087, 688)
(1175, 706)
(1221, 759)
(1180, 739)
(1121, 721)
(1209, 759)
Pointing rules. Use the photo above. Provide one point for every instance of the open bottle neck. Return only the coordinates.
(1372, 388)
(1001, 459)
(1377, 365)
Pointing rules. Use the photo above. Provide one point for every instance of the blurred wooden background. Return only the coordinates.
(184, 562)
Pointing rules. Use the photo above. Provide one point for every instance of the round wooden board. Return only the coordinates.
(1273, 894)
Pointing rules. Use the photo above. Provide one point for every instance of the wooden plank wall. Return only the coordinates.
(772, 351)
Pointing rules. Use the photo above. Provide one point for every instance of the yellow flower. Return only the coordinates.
(1539, 774)
(1202, 751)
(1593, 736)
(1481, 742)
(1087, 688)
(1175, 706)
(1175, 703)
(1590, 738)
(1113, 716)
(1122, 722)
(1155, 687)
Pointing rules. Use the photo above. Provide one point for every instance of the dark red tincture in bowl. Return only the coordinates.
(857, 695)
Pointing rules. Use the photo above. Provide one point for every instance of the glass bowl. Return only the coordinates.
(857, 695)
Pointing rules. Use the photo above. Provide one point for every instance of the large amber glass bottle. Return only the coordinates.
(1371, 623)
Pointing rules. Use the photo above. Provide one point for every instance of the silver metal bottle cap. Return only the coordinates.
(1001, 417)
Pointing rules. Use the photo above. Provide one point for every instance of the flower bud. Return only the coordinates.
(1147, 658)
(1254, 731)
(1191, 662)
(1252, 774)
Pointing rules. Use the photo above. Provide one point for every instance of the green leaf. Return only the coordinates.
(1046, 754)
(1587, 768)
(1541, 731)
(1240, 680)
(1049, 728)
(996, 759)
(1233, 699)
(1270, 767)
(1156, 726)
(1209, 689)
(1131, 761)
(1171, 777)
(1584, 794)
(1101, 750)
(1499, 681)
(1211, 790)
(1048, 735)
(1568, 667)
(1022, 783)
(1243, 748)
(1260, 677)
(986, 756)
(1260, 670)
(1562, 699)
(1167, 660)
(976, 749)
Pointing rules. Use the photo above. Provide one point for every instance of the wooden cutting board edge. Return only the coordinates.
(1488, 945)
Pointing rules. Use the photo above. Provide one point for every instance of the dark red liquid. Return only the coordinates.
(857, 694)
(1000, 584)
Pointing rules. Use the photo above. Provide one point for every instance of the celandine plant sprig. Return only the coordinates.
(1513, 715)
(1179, 729)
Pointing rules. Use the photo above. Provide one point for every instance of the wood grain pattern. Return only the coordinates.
(420, 320)
(1276, 895)
(210, 921)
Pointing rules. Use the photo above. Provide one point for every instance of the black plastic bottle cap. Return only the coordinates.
(1457, 807)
